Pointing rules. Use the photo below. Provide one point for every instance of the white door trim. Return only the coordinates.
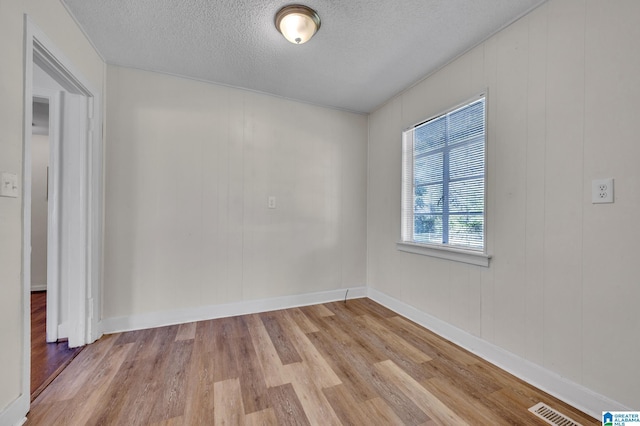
(53, 98)
(74, 218)
(41, 50)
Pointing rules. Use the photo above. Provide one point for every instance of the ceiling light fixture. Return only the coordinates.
(297, 23)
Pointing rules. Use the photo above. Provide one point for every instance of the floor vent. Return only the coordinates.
(551, 416)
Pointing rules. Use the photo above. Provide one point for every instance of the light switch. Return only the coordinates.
(271, 202)
(8, 185)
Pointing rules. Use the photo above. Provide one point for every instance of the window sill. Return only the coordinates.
(456, 255)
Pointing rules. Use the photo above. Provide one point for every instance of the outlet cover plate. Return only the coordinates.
(271, 202)
(602, 191)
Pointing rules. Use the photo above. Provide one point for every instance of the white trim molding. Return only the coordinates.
(54, 98)
(570, 392)
(38, 287)
(202, 313)
(441, 252)
(15, 413)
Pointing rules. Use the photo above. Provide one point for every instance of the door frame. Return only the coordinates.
(53, 98)
(84, 314)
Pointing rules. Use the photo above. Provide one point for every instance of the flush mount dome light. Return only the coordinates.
(297, 23)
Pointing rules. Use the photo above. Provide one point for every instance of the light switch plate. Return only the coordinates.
(8, 185)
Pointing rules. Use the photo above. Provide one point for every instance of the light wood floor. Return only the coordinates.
(354, 364)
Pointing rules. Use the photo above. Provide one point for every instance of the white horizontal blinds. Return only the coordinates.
(428, 184)
(448, 164)
(465, 143)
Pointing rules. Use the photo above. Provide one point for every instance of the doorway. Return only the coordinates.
(77, 196)
(50, 352)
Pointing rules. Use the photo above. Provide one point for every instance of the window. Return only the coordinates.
(443, 185)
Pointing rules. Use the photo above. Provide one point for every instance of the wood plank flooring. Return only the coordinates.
(47, 359)
(333, 364)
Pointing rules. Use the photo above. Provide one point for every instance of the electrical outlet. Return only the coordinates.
(602, 191)
(271, 202)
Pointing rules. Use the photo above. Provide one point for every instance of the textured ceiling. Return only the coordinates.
(365, 52)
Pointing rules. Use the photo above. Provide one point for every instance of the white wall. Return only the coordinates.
(39, 211)
(53, 19)
(189, 168)
(562, 288)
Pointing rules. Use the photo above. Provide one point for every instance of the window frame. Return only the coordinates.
(478, 257)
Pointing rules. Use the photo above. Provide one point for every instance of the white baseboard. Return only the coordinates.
(15, 414)
(572, 393)
(180, 316)
(38, 287)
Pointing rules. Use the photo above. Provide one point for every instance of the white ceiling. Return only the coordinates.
(365, 52)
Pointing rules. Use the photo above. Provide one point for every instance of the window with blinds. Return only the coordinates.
(443, 184)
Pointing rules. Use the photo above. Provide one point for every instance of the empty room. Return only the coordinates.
(327, 212)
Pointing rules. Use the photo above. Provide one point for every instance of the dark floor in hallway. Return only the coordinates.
(47, 359)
